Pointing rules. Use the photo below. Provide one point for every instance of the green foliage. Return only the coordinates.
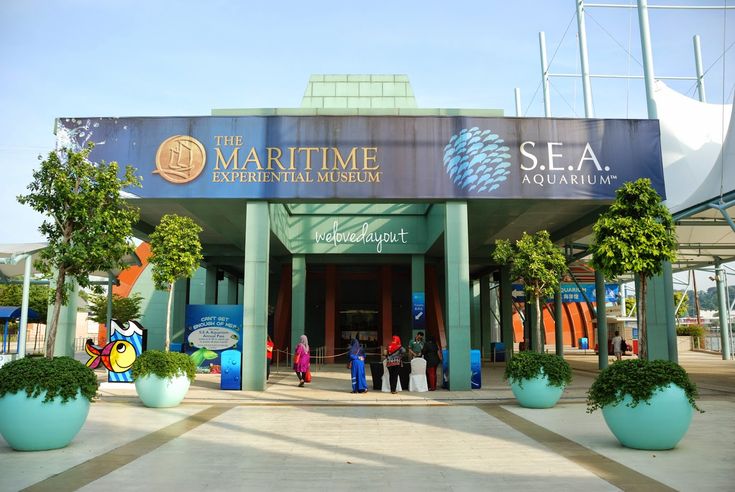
(163, 365)
(123, 308)
(60, 376)
(175, 250)
(528, 365)
(88, 223)
(636, 234)
(690, 331)
(629, 304)
(39, 297)
(684, 308)
(536, 260)
(638, 378)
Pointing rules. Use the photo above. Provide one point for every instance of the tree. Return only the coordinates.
(88, 223)
(175, 254)
(38, 298)
(636, 234)
(540, 264)
(684, 307)
(123, 308)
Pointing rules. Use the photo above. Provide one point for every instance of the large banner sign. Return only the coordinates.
(571, 292)
(374, 157)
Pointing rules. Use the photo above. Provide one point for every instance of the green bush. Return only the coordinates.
(638, 378)
(164, 365)
(690, 331)
(528, 365)
(60, 376)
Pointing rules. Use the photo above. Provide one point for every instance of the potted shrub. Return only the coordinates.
(646, 404)
(162, 378)
(537, 379)
(44, 402)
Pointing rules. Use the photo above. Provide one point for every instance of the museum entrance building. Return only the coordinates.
(360, 214)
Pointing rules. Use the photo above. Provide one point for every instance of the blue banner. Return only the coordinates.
(211, 329)
(418, 302)
(374, 157)
(571, 293)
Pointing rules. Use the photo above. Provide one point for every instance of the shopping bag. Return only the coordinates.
(307, 378)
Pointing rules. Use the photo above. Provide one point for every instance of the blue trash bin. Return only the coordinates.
(584, 343)
(498, 351)
(476, 369)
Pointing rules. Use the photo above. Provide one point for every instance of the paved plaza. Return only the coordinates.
(322, 437)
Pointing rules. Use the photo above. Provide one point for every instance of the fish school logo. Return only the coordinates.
(180, 159)
(477, 160)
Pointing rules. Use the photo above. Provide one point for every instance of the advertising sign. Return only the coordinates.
(571, 293)
(418, 302)
(374, 157)
(211, 330)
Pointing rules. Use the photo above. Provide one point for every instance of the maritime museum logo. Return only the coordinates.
(477, 160)
(180, 159)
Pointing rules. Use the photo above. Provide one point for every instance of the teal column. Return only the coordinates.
(210, 286)
(457, 277)
(66, 329)
(660, 316)
(227, 290)
(418, 286)
(558, 323)
(255, 295)
(197, 287)
(298, 299)
(601, 310)
(475, 323)
(723, 311)
(178, 315)
(506, 310)
(486, 316)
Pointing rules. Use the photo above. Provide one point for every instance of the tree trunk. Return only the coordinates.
(642, 316)
(54, 324)
(168, 316)
(537, 343)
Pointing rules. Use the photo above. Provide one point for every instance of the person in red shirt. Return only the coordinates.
(268, 356)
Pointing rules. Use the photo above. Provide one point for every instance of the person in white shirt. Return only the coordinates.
(617, 343)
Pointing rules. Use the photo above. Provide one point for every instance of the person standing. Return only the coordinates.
(394, 359)
(302, 360)
(357, 367)
(268, 357)
(617, 343)
(416, 345)
(431, 353)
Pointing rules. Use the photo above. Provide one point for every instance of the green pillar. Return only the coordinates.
(66, 329)
(203, 286)
(723, 311)
(660, 316)
(298, 299)
(475, 323)
(558, 323)
(457, 275)
(227, 290)
(255, 295)
(601, 310)
(178, 315)
(486, 316)
(506, 310)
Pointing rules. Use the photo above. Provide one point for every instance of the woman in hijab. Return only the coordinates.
(357, 366)
(393, 361)
(301, 359)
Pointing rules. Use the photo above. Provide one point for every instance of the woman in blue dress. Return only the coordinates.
(357, 367)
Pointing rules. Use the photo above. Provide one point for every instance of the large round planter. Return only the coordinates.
(658, 423)
(161, 392)
(28, 424)
(536, 392)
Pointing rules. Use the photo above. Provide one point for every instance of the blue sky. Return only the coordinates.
(159, 58)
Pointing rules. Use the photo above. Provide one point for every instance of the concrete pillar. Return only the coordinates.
(255, 295)
(457, 277)
(558, 323)
(723, 311)
(660, 317)
(486, 315)
(178, 313)
(418, 292)
(506, 310)
(227, 290)
(475, 322)
(66, 329)
(298, 299)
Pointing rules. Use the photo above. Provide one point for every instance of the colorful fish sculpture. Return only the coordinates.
(116, 356)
